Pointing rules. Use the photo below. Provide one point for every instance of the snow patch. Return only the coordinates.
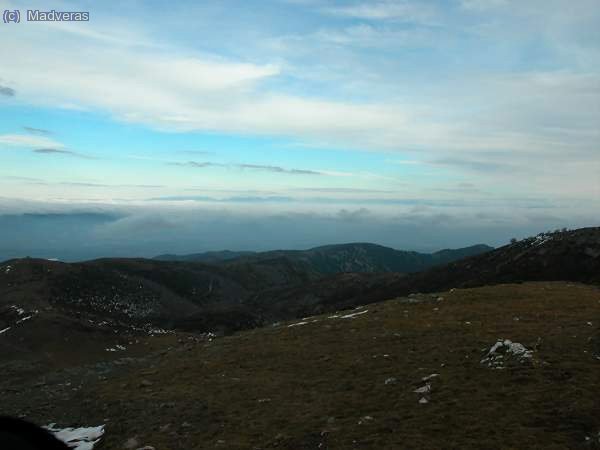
(429, 377)
(353, 315)
(19, 311)
(116, 348)
(540, 239)
(5, 330)
(305, 322)
(78, 438)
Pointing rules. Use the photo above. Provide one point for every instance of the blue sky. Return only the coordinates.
(485, 112)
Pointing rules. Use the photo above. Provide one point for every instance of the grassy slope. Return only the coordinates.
(312, 386)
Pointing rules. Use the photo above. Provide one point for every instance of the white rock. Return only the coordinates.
(78, 438)
(423, 389)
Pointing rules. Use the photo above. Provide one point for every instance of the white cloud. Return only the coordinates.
(21, 140)
(368, 36)
(536, 117)
(403, 11)
(137, 81)
(482, 5)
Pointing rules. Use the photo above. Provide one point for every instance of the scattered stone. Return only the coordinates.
(146, 383)
(391, 380)
(167, 405)
(365, 419)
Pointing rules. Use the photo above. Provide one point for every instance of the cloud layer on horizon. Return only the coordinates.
(85, 231)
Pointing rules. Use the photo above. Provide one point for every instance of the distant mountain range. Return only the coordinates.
(243, 291)
(342, 258)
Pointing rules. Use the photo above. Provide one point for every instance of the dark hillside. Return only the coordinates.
(247, 292)
(569, 255)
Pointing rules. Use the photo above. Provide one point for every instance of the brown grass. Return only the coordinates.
(322, 385)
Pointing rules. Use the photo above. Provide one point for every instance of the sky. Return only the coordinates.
(190, 126)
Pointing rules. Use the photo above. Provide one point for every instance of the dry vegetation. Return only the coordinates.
(348, 382)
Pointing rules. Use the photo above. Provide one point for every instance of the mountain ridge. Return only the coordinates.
(247, 293)
(335, 258)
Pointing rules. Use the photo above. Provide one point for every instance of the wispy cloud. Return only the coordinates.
(341, 190)
(92, 185)
(260, 167)
(21, 140)
(476, 165)
(464, 188)
(399, 10)
(196, 152)
(37, 131)
(38, 143)
(6, 91)
(83, 184)
(278, 169)
(61, 151)
(20, 178)
(196, 164)
(482, 5)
